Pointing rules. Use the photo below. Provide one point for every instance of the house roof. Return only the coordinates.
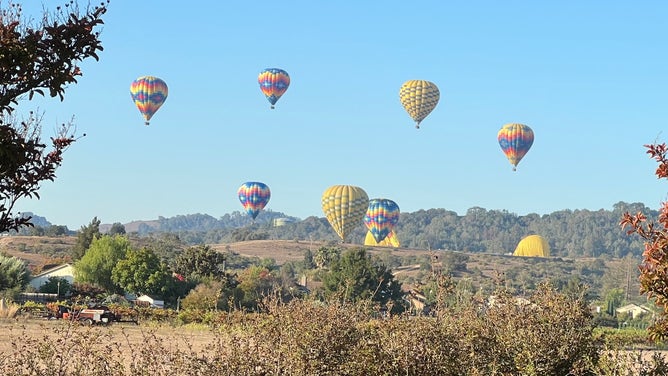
(49, 271)
(632, 307)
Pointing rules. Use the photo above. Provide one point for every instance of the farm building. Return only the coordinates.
(64, 271)
(149, 301)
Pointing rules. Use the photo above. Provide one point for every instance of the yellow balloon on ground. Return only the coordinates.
(391, 240)
(533, 246)
(344, 207)
(419, 99)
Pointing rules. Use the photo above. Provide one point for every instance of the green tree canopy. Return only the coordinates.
(117, 229)
(255, 282)
(56, 285)
(97, 264)
(14, 273)
(201, 262)
(141, 272)
(354, 277)
(85, 238)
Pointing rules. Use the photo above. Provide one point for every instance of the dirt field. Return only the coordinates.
(124, 340)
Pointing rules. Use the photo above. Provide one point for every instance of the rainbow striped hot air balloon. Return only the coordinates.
(419, 99)
(344, 207)
(148, 93)
(254, 196)
(274, 83)
(515, 141)
(381, 217)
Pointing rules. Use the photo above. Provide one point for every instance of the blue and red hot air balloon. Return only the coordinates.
(515, 141)
(148, 93)
(381, 217)
(254, 196)
(274, 82)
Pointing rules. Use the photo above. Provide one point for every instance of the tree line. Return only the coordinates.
(570, 233)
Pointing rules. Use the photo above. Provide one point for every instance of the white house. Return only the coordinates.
(64, 271)
(632, 309)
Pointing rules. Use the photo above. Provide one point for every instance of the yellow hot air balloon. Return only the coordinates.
(344, 207)
(391, 240)
(533, 246)
(419, 99)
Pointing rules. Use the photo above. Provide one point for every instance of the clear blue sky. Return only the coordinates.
(589, 77)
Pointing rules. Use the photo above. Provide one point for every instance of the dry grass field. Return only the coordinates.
(124, 340)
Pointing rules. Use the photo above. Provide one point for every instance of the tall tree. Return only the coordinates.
(654, 266)
(97, 264)
(85, 238)
(354, 277)
(117, 229)
(201, 262)
(141, 272)
(35, 59)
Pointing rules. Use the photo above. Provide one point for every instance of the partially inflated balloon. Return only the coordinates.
(344, 207)
(515, 141)
(533, 246)
(391, 240)
(254, 196)
(381, 217)
(148, 93)
(274, 83)
(419, 99)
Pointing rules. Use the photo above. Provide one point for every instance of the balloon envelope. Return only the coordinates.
(148, 93)
(391, 240)
(254, 196)
(533, 246)
(515, 141)
(274, 82)
(344, 207)
(381, 217)
(419, 99)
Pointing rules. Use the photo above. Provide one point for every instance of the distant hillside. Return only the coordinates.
(37, 251)
(571, 233)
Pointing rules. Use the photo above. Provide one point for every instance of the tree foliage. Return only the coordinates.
(14, 273)
(35, 59)
(43, 57)
(200, 262)
(141, 272)
(117, 229)
(56, 285)
(85, 238)
(354, 277)
(654, 266)
(255, 283)
(97, 264)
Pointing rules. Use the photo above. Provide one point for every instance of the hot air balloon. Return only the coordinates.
(391, 240)
(515, 140)
(381, 217)
(419, 98)
(344, 207)
(254, 196)
(148, 93)
(533, 246)
(274, 83)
